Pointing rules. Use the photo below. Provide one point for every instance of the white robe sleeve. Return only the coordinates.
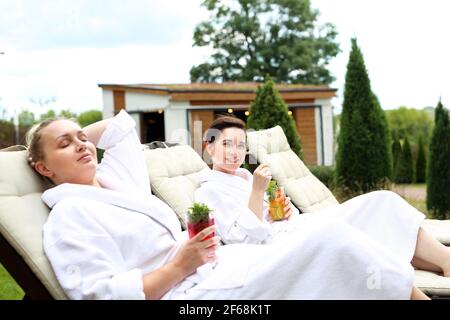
(235, 223)
(87, 261)
(123, 159)
(90, 268)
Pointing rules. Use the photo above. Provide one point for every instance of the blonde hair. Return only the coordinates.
(33, 140)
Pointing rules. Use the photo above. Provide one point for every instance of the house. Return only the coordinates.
(180, 113)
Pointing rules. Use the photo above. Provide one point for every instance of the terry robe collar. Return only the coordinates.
(148, 205)
(240, 182)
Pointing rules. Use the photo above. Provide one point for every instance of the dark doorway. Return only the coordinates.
(153, 126)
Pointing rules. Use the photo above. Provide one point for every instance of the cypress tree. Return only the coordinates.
(396, 153)
(438, 180)
(405, 171)
(421, 163)
(268, 110)
(384, 141)
(363, 159)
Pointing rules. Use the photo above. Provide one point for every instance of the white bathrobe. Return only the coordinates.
(382, 215)
(228, 195)
(101, 241)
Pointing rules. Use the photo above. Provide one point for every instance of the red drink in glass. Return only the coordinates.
(196, 227)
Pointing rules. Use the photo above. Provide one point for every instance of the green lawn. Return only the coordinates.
(9, 290)
(420, 205)
(415, 194)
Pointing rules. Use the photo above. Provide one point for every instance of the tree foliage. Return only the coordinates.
(252, 38)
(87, 117)
(26, 118)
(268, 110)
(438, 179)
(405, 167)
(412, 123)
(49, 114)
(363, 160)
(421, 163)
(396, 154)
(66, 113)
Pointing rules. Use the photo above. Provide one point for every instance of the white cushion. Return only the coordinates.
(172, 173)
(440, 229)
(23, 214)
(432, 284)
(307, 192)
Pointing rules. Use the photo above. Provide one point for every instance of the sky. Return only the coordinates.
(56, 52)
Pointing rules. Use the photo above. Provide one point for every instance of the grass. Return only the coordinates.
(419, 205)
(9, 289)
(414, 194)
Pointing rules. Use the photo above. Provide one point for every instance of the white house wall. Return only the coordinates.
(327, 130)
(108, 104)
(136, 101)
(176, 123)
(318, 126)
(137, 119)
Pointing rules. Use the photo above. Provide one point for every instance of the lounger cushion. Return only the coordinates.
(307, 192)
(172, 173)
(440, 229)
(23, 214)
(432, 284)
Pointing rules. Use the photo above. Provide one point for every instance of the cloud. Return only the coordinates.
(404, 47)
(72, 75)
(44, 24)
(81, 44)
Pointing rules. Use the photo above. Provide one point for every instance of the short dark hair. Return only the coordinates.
(221, 123)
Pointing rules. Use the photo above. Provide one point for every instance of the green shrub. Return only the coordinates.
(324, 174)
(396, 154)
(405, 167)
(421, 164)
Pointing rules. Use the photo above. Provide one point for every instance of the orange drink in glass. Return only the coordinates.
(276, 201)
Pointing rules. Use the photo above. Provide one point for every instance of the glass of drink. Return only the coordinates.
(277, 198)
(199, 217)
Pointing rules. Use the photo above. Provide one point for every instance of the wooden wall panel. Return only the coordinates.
(306, 127)
(119, 101)
(206, 117)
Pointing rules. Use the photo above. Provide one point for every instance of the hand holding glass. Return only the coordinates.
(198, 218)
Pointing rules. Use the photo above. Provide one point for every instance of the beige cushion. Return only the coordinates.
(172, 176)
(307, 192)
(440, 229)
(23, 214)
(432, 284)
